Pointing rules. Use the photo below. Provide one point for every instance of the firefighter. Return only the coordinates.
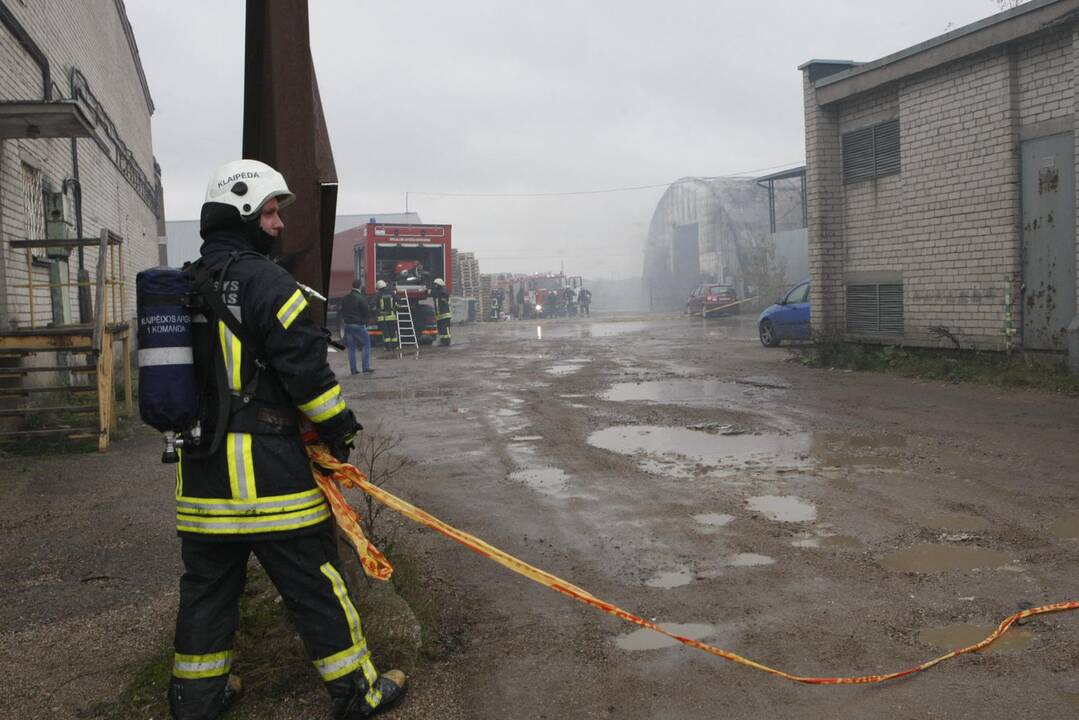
(247, 488)
(387, 315)
(443, 315)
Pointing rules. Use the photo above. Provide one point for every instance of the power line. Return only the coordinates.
(628, 188)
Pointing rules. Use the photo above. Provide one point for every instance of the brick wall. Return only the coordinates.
(948, 224)
(89, 36)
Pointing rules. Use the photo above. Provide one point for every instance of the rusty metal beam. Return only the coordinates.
(284, 126)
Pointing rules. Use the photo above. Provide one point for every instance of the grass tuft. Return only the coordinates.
(958, 366)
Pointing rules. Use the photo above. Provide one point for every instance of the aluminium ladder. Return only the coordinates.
(406, 329)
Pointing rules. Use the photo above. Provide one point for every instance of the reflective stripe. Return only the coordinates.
(152, 357)
(339, 589)
(258, 506)
(444, 316)
(355, 657)
(342, 663)
(194, 667)
(292, 309)
(241, 466)
(179, 473)
(242, 525)
(325, 406)
(232, 351)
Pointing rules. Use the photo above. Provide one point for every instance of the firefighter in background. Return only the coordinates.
(443, 314)
(387, 315)
(584, 299)
(260, 362)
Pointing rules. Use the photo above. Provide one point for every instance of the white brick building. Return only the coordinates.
(941, 186)
(55, 54)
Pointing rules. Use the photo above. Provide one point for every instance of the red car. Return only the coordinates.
(709, 300)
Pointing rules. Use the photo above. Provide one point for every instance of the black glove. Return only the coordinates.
(343, 446)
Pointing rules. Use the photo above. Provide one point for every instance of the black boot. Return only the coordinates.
(354, 707)
(203, 699)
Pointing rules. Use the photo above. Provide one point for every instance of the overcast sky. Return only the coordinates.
(507, 96)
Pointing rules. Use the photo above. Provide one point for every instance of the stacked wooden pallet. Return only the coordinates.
(456, 264)
(470, 275)
(485, 297)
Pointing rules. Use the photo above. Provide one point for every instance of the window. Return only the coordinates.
(875, 309)
(871, 152)
(800, 294)
(33, 206)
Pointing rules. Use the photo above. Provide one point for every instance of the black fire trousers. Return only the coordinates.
(304, 569)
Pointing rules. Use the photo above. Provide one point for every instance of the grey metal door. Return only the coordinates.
(686, 257)
(1048, 241)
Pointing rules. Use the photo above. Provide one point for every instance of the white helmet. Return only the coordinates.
(381, 284)
(440, 282)
(246, 185)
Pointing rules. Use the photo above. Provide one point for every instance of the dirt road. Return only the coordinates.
(826, 523)
(822, 522)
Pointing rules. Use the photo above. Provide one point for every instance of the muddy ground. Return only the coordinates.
(823, 522)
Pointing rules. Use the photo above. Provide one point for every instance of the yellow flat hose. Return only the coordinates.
(375, 564)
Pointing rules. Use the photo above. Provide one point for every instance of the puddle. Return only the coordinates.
(563, 369)
(833, 542)
(526, 438)
(957, 521)
(713, 519)
(671, 579)
(578, 406)
(1066, 526)
(645, 639)
(927, 558)
(686, 449)
(783, 508)
(546, 480)
(763, 381)
(408, 394)
(954, 637)
(507, 412)
(682, 392)
(750, 560)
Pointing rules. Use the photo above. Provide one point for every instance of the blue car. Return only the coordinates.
(788, 319)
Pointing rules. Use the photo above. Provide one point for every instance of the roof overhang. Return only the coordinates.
(968, 40)
(794, 172)
(43, 119)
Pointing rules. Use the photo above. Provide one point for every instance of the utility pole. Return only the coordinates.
(284, 127)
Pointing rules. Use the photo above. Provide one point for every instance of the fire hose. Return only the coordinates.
(329, 473)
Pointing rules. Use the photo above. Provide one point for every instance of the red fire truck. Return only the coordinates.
(407, 257)
(545, 293)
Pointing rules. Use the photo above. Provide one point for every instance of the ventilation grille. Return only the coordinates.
(875, 309)
(871, 152)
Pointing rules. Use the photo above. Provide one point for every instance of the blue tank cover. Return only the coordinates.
(168, 400)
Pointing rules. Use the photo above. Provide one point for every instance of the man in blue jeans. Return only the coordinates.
(354, 314)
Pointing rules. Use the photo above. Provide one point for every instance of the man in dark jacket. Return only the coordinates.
(261, 364)
(355, 313)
